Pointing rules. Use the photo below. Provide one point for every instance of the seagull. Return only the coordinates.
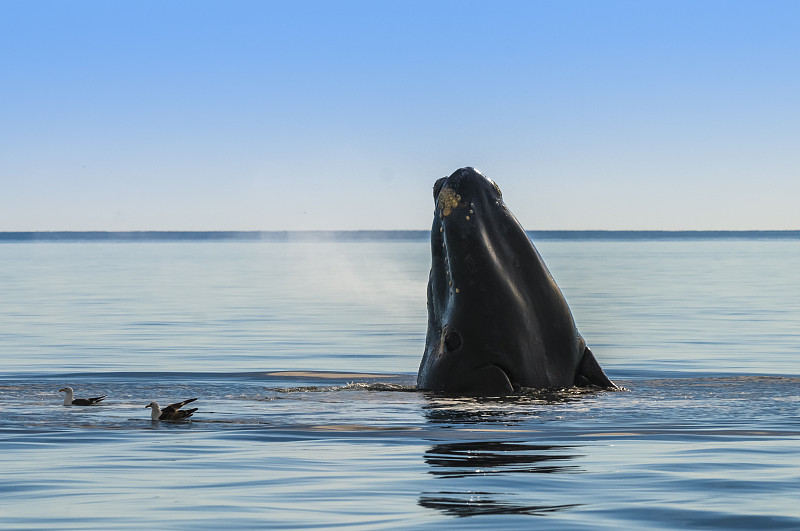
(69, 401)
(172, 411)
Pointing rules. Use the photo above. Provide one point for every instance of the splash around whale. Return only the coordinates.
(497, 321)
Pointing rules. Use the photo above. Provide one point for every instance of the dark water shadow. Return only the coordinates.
(508, 410)
(483, 458)
(480, 477)
(473, 463)
(463, 504)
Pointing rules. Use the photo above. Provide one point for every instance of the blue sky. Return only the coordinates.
(197, 115)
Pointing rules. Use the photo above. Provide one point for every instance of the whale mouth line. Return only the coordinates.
(508, 374)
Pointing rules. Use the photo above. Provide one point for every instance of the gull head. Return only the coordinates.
(68, 397)
(156, 410)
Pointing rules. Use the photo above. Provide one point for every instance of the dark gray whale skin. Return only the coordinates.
(497, 321)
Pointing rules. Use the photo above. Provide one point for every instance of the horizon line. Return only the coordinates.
(375, 234)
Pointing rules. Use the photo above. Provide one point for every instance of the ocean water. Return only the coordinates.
(303, 356)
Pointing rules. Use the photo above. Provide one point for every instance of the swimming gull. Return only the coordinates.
(69, 401)
(172, 411)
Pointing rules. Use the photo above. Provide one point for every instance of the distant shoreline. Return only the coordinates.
(378, 235)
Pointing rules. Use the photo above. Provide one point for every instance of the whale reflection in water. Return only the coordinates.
(482, 503)
(469, 466)
(483, 458)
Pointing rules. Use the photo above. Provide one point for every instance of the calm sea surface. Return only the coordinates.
(304, 355)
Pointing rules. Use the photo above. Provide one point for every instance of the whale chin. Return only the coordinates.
(489, 380)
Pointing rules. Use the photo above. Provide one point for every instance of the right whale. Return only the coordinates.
(497, 321)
